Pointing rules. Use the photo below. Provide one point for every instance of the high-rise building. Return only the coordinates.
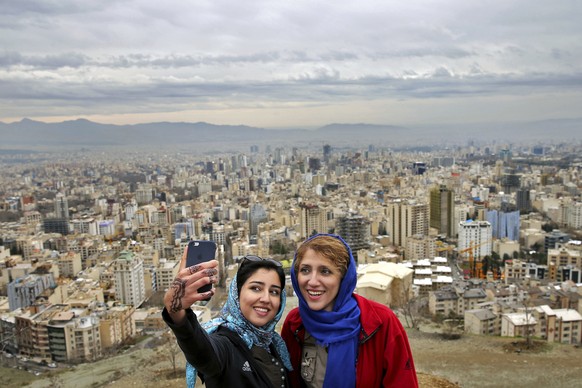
(504, 224)
(406, 218)
(419, 168)
(355, 230)
(56, 225)
(326, 152)
(129, 279)
(523, 201)
(258, 215)
(61, 206)
(313, 220)
(442, 208)
(475, 236)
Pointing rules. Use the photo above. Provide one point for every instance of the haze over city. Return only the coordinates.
(291, 64)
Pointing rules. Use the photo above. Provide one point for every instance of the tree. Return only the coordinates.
(410, 306)
(170, 350)
(528, 309)
(485, 264)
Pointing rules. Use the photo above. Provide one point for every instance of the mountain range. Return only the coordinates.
(31, 134)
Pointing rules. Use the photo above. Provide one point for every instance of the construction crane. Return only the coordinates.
(441, 247)
(472, 262)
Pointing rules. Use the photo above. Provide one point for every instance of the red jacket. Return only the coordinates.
(384, 356)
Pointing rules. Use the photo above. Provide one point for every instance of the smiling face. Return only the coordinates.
(319, 280)
(260, 297)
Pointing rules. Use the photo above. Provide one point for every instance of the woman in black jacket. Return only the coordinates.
(240, 348)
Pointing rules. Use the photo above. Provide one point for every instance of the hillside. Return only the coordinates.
(467, 362)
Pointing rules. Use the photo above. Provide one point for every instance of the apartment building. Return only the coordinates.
(456, 301)
(386, 283)
(482, 322)
(129, 279)
(406, 218)
(565, 261)
(23, 292)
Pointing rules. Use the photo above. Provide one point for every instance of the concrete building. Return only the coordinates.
(355, 230)
(504, 224)
(475, 236)
(129, 279)
(61, 206)
(23, 292)
(482, 322)
(70, 264)
(406, 218)
(442, 210)
(420, 247)
(313, 219)
(518, 324)
(386, 283)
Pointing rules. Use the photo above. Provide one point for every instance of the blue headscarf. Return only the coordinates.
(337, 329)
(232, 318)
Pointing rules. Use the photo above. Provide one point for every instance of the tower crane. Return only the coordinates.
(472, 263)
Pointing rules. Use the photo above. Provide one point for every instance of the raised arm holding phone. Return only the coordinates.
(240, 348)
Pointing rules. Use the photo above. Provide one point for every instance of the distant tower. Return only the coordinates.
(442, 210)
(61, 206)
(355, 230)
(523, 201)
(326, 152)
(419, 168)
(257, 216)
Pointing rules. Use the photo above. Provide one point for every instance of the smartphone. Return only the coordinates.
(200, 251)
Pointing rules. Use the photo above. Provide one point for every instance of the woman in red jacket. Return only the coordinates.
(335, 337)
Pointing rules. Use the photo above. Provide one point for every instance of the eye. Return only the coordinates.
(255, 288)
(326, 271)
(275, 292)
(304, 270)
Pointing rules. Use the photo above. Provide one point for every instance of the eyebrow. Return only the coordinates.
(263, 283)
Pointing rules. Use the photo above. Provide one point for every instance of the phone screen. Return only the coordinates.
(200, 251)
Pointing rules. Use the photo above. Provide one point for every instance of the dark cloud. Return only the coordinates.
(121, 56)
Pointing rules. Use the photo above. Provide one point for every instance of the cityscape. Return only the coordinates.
(486, 236)
(440, 140)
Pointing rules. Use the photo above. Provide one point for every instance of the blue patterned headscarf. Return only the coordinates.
(338, 329)
(232, 318)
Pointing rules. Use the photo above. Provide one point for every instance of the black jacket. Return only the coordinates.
(221, 357)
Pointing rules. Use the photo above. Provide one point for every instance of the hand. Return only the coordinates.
(184, 289)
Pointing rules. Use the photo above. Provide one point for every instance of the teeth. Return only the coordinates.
(261, 309)
(315, 293)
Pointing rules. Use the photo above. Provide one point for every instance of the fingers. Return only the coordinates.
(177, 292)
(183, 260)
(197, 268)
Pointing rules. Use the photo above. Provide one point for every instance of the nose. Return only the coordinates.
(264, 297)
(313, 278)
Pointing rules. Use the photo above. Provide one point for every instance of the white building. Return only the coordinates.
(129, 279)
(475, 236)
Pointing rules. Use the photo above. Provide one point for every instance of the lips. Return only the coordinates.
(262, 311)
(315, 294)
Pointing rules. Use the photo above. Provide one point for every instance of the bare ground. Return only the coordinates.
(470, 361)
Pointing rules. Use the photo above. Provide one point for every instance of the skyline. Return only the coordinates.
(282, 65)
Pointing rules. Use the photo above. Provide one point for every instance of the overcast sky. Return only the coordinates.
(291, 63)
